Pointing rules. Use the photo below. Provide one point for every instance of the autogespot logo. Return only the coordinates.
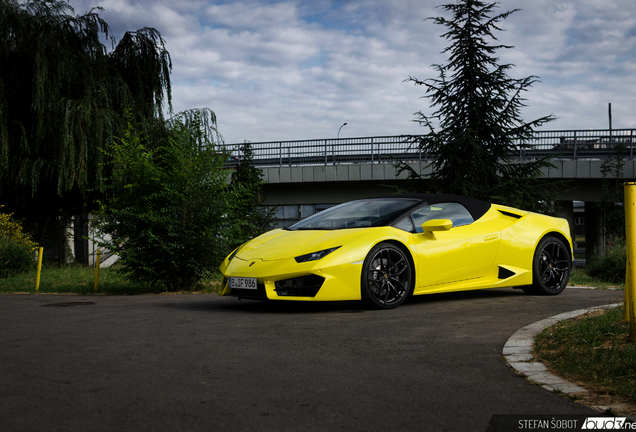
(606, 423)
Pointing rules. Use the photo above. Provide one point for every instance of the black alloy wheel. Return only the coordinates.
(387, 277)
(550, 267)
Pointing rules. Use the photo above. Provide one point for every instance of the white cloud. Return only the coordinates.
(299, 69)
(253, 16)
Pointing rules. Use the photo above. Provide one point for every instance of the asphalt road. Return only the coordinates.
(208, 363)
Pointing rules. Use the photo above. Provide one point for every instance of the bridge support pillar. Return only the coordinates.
(565, 210)
(593, 230)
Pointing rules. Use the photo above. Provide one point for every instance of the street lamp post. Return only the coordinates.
(344, 124)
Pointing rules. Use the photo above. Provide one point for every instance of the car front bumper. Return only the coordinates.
(287, 280)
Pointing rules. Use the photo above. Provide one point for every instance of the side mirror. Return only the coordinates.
(437, 225)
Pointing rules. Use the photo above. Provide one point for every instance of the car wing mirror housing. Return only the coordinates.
(437, 225)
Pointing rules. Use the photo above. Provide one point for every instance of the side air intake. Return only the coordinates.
(514, 215)
(505, 273)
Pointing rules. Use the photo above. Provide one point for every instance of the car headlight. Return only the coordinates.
(315, 255)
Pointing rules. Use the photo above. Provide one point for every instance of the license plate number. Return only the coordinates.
(243, 283)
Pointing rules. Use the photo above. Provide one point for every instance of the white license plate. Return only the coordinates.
(243, 283)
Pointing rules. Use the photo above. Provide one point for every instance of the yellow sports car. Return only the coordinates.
(382, 250)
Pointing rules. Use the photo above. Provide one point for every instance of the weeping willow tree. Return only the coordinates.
(63, 97)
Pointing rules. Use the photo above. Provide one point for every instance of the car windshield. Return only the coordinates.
(356, 214)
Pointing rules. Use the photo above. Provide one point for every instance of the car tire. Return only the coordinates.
(550, 267)
(387, 277)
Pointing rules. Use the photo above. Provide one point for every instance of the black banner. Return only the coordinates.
(561, 423)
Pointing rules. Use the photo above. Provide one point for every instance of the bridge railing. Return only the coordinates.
(566, 144)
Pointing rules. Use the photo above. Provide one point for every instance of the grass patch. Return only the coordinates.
(593, 349)
(78, 279)
(579, 277)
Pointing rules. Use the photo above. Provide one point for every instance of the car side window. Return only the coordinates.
(405, 224)
(456, 212)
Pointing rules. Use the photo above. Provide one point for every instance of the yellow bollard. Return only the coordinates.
(628, 284)
(630, 276)
(99, 256)
(37, 278)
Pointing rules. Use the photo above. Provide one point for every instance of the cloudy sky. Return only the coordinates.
(299, 69)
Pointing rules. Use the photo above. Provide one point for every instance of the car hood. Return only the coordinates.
(281, 244)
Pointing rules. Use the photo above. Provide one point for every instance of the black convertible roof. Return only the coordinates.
(475, 207)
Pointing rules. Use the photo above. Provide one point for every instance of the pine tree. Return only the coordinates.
(476, 129)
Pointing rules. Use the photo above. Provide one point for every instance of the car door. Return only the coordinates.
(466, 251)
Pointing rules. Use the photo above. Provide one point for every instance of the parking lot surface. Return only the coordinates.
(208, 363)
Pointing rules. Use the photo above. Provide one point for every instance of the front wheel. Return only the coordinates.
(387, 277)
(550, 267)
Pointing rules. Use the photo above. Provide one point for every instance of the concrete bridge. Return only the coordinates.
(307, 176)
(328, 184)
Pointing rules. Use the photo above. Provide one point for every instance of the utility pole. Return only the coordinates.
(610, 120)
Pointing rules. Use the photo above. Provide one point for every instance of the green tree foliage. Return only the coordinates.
(251, 217)
(168, 203)
(476, 128)
(63, 97)
(16, 247)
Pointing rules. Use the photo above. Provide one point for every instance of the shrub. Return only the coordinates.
(612, 266)
(16, 247)
(166, 218)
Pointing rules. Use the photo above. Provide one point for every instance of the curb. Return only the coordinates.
(595, 288)
(518, 354)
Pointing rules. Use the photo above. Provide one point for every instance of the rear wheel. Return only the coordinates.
(550, 267)
(387, 277)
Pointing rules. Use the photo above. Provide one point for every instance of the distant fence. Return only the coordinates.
(567, 144)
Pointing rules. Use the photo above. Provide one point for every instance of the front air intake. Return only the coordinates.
(304, 286)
